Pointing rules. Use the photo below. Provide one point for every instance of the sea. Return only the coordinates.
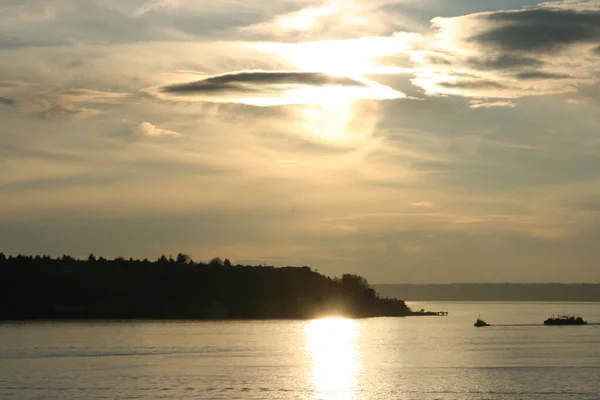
(330, 358)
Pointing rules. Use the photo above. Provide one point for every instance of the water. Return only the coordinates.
(382, 358)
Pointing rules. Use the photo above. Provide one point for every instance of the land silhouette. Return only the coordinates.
(559, 292)
(43, 287)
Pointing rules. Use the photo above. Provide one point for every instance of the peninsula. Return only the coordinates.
(42, 287)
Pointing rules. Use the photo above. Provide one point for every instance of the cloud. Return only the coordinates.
(538, 30)
(489, 104)
(58, 103)
(269, 88)
(300, 20)
(7, 101)
(580, 5)
(525, 75)
(156, 5)
(149, 130)
(504, 62)
(574, 101)
(249, 81)
(537, 51)
(472, 84)
(92, 96)
(26, 12)
(424, 204)
(65, 22)
(334, 19)
(69, 111)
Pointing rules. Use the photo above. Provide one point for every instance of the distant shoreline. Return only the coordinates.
(535, 292)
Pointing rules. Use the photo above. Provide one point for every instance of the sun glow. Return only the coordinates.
(329, 110)
(332, 345)
(344, 57)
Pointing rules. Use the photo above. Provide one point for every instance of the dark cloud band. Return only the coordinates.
(539, 30)
(533, 75)
(482, 84)
(504, 61)
(251, 81)
(6, 101)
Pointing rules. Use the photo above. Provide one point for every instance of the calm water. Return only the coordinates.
(383, 358)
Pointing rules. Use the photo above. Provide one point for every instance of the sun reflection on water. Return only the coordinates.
(332, 345)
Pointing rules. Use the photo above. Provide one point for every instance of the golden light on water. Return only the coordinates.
(332, 345)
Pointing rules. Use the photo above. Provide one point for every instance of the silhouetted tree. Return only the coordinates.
(91, 258)
(216, 261)
(355, 280)
(227, 263)
(183, 258)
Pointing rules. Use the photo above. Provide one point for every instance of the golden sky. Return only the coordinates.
(407, 141)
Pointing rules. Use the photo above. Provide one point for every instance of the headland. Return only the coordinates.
(43, 287)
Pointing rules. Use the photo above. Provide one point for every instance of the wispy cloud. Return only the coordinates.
(7, 101)
(150, 130)
(59, 103)
(70, 111)
(301, 20)
(580, 5)
(52, 102)
(424, 204)
(489, 104)
(154, 5)
(334, 19)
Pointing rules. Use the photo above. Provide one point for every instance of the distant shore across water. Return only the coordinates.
(543, 292)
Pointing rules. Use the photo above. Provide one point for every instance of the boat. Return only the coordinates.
(480, 323)
(565, 320)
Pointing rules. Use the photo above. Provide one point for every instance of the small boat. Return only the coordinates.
(480, 323)
(565, 320)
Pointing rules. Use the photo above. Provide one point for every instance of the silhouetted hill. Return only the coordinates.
(43, 287)
(493, 292)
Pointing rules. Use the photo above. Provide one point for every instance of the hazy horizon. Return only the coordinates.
(408, 142)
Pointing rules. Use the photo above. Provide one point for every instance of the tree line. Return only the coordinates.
(43, 287)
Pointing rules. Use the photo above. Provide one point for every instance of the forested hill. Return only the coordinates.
(49, 288)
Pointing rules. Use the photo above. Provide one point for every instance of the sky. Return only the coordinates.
(406, 141)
